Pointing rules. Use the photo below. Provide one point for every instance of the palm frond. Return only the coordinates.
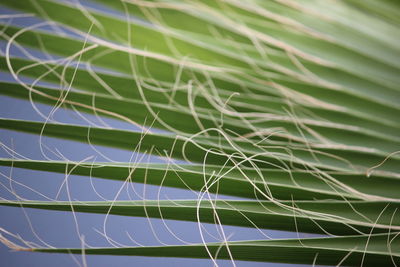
(291, 105)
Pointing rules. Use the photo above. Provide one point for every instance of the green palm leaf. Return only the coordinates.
(291, 105)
